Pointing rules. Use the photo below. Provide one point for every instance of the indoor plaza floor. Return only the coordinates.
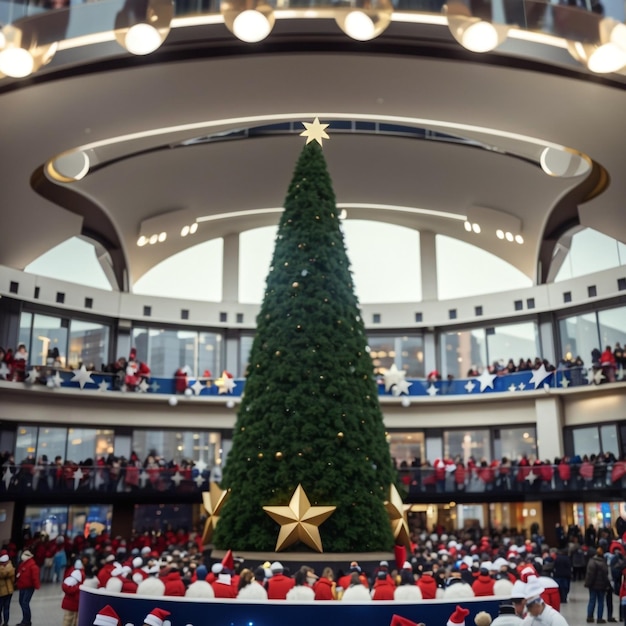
(46, 607)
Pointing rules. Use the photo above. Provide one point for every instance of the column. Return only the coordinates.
(549, 424)
(428, 265)
(230, 268)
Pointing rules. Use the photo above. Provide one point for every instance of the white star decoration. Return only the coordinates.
(199, 480)
(143, 478)
(177, 478)
(6, 478)
(565, 382)
(512, 387)
(432, 390)
(201, 466)
(82, 377)
(539, 375)
(197, 388)
(143, 386)
(103, 385)
(521, 386)
(78, 475)
(4, 370)
(225, 384)
(154, 387)
(598, 377)
(32, 376)
(620, 373)
(314, 131)
(469, 386)
(401, 387)
(532, 477)
(486, 380)
(393, 376)
(57, 379)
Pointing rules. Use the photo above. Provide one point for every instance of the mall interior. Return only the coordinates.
(480, 185)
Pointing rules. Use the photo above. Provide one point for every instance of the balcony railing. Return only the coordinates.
(420, 482)
(519, 382)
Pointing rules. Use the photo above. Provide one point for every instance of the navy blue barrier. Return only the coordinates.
(199, 612)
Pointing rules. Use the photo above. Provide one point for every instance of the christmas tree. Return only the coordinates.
(310, 413)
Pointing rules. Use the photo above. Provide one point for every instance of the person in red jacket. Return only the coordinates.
(174, 585)
(279, 584)
(69, 604)
(427, 585)
(222, 586)
(27, 582)
(383, 589)
(483, 585)
(325, 588)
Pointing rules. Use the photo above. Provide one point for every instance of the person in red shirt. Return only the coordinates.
(69, 604)
(174, 585)
(27, 582)
(222, 586)
(427, 585)
(383, 589)
(345, 581)
(279, 584)
(483, 585)
(325, 588)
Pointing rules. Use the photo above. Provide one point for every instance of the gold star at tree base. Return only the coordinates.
(213, 501)
(299, 521)
(397, 511)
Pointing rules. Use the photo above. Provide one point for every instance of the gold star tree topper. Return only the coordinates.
(315, 131)
(299, 521)
(397, 511)
(213, 501)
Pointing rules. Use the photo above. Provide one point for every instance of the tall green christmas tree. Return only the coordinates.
(310, 413)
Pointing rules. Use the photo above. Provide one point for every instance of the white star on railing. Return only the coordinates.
(82, 377)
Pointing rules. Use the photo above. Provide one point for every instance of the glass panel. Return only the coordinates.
(513, 341)
(178, 275)
(81, 444)
(92, 520)
(586, 441)
(245, 345)
(515, 443)
(462, 351)
(52, 443)
(162, 517)
(89, 344)
(467, 270)
(406, 449)
(26, 321)
(612, 324)
(209, 355)
(406, 352)
(466, 444)
(579, 336)
(26, 443)
(48, 334)
(164, 351)
(74, 261)
(608, 433)
(51, 520)
(590, 251)
(172, 445)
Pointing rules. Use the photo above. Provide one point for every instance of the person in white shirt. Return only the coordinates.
(542, 614)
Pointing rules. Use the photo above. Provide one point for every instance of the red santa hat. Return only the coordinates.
(458, 617)
(156, 617)
(398, 620)
(133, 354)
(228, 562)
(107, 617)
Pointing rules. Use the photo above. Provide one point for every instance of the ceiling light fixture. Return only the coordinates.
(473, 33)
(364, 19)
(20, 55)
(141, 26)
(608, 53)
(249, 20)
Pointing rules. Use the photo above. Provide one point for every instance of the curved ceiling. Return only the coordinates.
(130, 116)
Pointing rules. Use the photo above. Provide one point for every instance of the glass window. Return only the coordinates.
(178, 275)
(612, 324)
(88, 443)
(164, 351)
(407, 352)
(608, 438)
(466, 444)
(466, 270)
(461, 351)
(74, 261)
(590, 251)
(52, 442)
(245, 345)
(48, 333)
(26, 322)
(513, 341)
(579, 336)
(515, 443)
(406, 448)
(25, 443)
(178, 445)
(89, 344)
(586, 441)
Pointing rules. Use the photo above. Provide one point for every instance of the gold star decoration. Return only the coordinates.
(315, 131)
(213, 501)
(397, 511)
(299, 521)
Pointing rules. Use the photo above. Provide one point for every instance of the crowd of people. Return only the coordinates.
(521, 572)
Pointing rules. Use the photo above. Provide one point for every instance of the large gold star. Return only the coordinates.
(213, 501)
(315, 131)
(299, 521)
(397, 511)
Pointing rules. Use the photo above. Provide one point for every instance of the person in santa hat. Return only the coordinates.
(398, 620)
(70, 587)
(458, 617)
(156, 617)
(107, 617)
